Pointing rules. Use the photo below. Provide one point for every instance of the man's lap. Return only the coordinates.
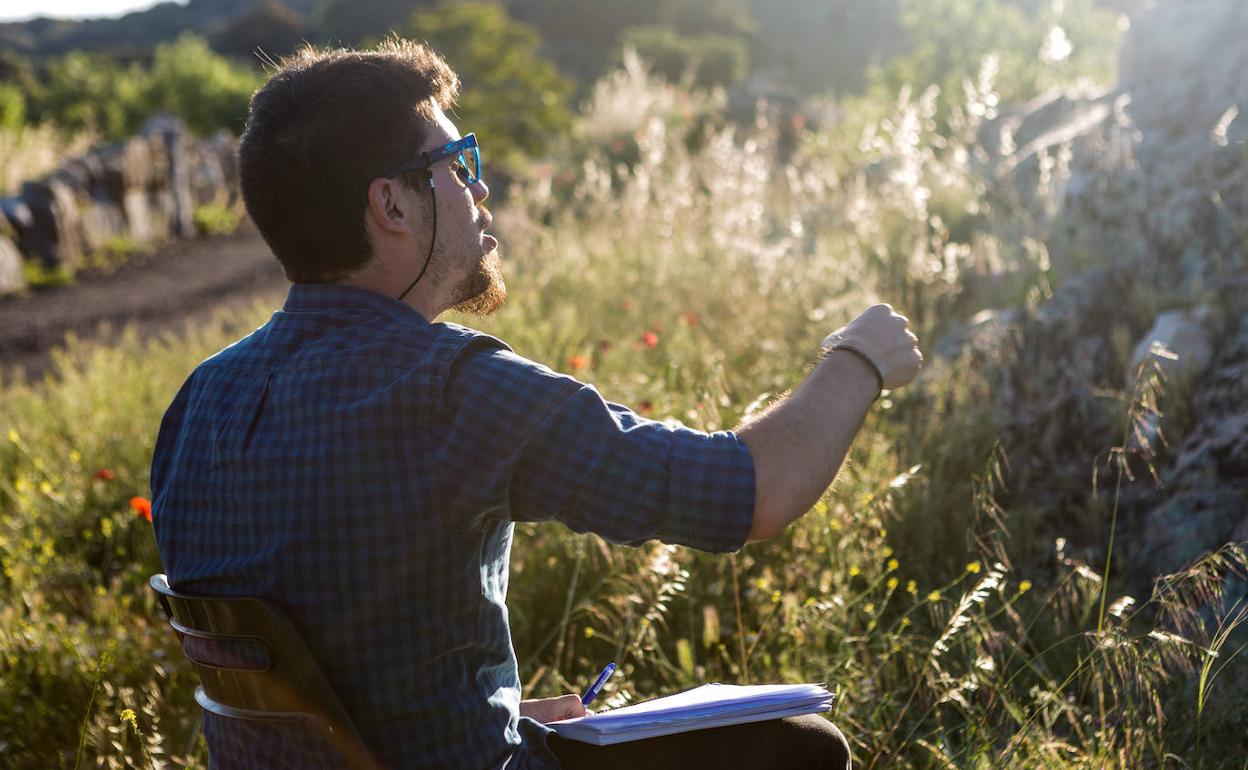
(807, 742)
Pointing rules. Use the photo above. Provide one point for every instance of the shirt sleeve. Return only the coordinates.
(519, 441)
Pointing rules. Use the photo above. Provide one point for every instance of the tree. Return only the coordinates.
(710, 59)
(271, 29)
(512, 97)
(349, 22)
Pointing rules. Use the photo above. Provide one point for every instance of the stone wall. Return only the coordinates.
(143, 190)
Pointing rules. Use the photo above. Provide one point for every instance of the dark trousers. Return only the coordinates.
(807, 742)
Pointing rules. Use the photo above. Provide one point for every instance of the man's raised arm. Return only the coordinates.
(800, 442)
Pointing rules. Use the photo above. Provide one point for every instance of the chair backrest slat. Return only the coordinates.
(290, 687)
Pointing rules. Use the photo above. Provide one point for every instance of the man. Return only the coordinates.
(363, 466)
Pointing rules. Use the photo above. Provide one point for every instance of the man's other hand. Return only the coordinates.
(883, 336)
(546, 710)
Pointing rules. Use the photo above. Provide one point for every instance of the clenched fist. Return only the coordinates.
(882, 336)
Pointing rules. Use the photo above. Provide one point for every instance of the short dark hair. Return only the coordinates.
(325, 125)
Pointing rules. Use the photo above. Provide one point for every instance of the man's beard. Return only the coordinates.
(483, 291)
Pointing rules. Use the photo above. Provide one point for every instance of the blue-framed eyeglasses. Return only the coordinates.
(467, 164)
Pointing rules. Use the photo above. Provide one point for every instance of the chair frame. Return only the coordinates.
(290, 689)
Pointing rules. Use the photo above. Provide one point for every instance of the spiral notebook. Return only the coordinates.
(711, 705)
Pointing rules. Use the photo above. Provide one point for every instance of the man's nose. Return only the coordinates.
(479, 191)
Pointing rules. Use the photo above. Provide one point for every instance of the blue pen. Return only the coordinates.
(596, 687)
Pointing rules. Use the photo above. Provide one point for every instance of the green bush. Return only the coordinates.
(214, 219)
(206, 90)
(12, 107)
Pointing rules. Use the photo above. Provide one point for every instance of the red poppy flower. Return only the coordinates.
(142, 507)
(104, 474)
(577, 363)
(650, 339)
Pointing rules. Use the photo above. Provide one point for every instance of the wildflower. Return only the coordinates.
(644, 407)
(891, 584)
(129, 717)
(589, 632)
(912, 587)
(650, 339)
(690, 319)
(142, 507)
(905, 622)
(576, 363)
(775, 597)
(1024, 586)
(887, 551)
(893, 564)
(104, 474)
(854, 571)
(934, 596)
(869, 608)
(974, 567)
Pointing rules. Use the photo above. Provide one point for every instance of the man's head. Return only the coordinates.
(323, 135)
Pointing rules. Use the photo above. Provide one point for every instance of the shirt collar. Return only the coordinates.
(337, 296)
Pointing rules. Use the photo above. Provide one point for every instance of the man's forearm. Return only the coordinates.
(800, 443)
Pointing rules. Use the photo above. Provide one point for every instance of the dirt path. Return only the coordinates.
(178, 283)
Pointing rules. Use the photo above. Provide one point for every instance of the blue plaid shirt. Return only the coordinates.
(364, 467)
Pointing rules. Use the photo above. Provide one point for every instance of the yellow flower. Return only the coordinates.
(933, 596)
(912, 587)
(854, 571)
(1024, 586)
(892, 584)
(775, 597)
(905, 622)
(869, 608)
(893, 564)
(129, 717)
(974, 567)
(887, 551)
(589, 632)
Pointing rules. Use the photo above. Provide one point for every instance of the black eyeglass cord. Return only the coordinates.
(433, 237)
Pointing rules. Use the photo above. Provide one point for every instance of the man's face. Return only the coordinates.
(465, 262)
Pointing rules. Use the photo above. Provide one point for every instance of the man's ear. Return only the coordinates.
(388, 208)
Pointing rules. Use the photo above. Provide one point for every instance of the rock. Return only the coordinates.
(1184, 347)
(986, 331)
(168, 130)
(1191, 524)
(55, 233)
(12, 279)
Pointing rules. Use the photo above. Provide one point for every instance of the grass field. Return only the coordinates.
(691, 280)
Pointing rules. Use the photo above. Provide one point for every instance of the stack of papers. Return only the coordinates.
(711, 705)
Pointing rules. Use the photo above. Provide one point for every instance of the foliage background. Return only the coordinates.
(957, 625)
